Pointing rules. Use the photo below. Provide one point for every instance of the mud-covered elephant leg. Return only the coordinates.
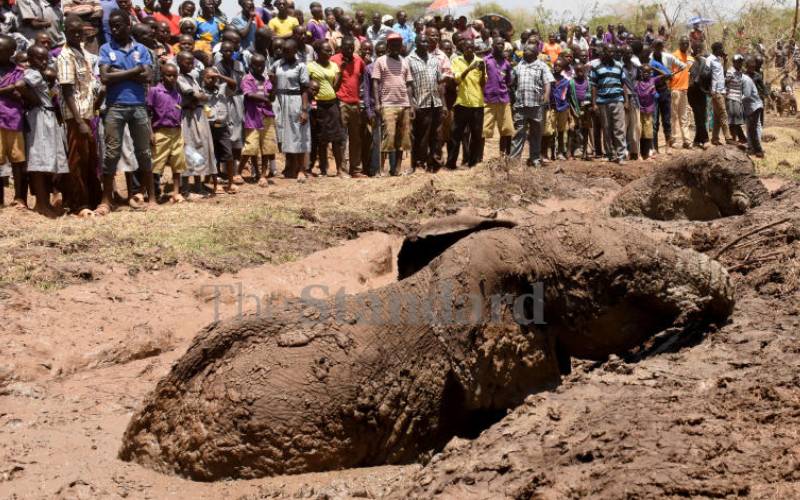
(383, 376)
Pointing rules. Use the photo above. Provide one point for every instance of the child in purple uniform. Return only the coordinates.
(164, 105)
(646, 90)
(259, 120)
(12, 111)
(583, 95)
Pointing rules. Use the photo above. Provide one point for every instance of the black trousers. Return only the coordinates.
(698, 102)
(427, 149)
(465, 119)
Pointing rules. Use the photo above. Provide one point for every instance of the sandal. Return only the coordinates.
(231, 189)
(136, 201)
(238, 179)
(102, 210)
(219, 190)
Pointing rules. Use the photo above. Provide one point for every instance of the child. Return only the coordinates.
(583, 95)
(47, 155)
(164, 105)
(196, 132)
(733, 99)
(646, 91)
(259, 120)
(12, 142)
(231, 71)
(753, 109)
(562, 99)
(311, 92)
(218, 114)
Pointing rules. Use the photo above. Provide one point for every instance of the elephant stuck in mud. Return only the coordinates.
(478, 322)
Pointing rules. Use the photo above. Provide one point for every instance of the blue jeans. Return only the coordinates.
(135, 117)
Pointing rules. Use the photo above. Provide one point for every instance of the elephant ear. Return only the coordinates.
(433, 238)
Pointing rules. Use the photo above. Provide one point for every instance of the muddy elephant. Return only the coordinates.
(478, 322)
(719, 182)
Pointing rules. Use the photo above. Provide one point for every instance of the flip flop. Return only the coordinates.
(219, 190)
(102, 210)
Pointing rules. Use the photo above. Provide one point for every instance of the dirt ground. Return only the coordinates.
(94, 313)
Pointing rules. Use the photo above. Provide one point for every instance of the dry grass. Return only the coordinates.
(782, 148)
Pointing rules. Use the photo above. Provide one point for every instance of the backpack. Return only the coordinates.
(700, 75)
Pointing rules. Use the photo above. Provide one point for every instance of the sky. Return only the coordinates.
(559, 7)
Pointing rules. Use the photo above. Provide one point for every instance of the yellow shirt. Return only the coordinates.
(470, 92)
(283, 27)
(680, 79)
(325, 77)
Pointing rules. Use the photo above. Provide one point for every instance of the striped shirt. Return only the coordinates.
(609, 79)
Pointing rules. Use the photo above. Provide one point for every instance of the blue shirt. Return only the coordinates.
(108, 6)
(407, 32)
(127, 92)
(750, 99)
(239, 22)
(609, 80)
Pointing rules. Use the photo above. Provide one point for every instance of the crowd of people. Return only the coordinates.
(90, 88)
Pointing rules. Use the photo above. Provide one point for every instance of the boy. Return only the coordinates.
(164, 105)
(562, 100)
(125, 70)
(82, 190)
(259, 120)
(646, 92)
(218, 114)
(231, 71)
(12, 142)
(753, 108)
(583, 95)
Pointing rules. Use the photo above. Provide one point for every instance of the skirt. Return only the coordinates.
(329, 122)
(293, 137)
(197, 135)
(46, 143)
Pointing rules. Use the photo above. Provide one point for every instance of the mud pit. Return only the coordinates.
(715, 414)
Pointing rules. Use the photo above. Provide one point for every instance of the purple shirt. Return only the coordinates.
(498, 80)
(255, 111)
(164, 106)
(11, 109)
(646, 90)
(318, 29)
(609, 38)
(582, 93)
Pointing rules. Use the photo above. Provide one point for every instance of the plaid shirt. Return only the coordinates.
(426, 76)
(529, 80)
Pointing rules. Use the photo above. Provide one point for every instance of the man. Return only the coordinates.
(282, 24)
(391, 87)
(377, 31)
(351, 67)
(316, 25)
(498, 100)
(82, 191)
(427, 103)
(633, 124)
(664, 62)
(406, 31)
(717, 61)
(552, 49)
(247, 23)
(164, 15)
(448, 28)
(679, 85)
(697, 94)
(40, 15)
(470, 78)
(609, 102)
(531, 80)
(464, 31)
(125, 70)
(345, 30)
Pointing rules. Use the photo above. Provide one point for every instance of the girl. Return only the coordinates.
(259, 119)
(646, 91)
(196, 131)
(330, 129)
(46, 141)
(290, 79)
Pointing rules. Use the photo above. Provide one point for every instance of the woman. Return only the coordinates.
(329, 122)
(209, 26)
(290, 80)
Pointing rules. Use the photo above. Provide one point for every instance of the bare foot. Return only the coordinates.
(102, 210)
(48, 211)
(19, 204)
(263, 182)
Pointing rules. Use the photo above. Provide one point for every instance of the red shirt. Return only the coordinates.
(173, 20)
(351, 78)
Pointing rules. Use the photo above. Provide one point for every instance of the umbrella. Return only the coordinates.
(699, 20)
(447, 4)
(496, 22)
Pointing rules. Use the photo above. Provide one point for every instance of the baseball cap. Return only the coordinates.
(386, 17)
